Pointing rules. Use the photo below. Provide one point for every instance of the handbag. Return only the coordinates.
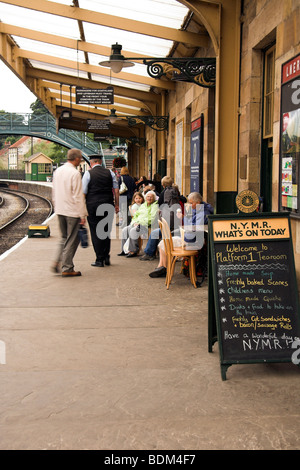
(123, 187)
(83, 236)
(126, 246)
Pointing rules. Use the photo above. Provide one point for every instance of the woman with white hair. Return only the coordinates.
(196, 212)
(145, 217)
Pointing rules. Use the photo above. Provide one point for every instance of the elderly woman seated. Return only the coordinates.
(145, 217)
(196, 211)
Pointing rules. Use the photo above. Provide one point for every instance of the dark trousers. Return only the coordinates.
(100, 228)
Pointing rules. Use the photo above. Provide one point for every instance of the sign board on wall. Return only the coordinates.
(290, 135)
(94, 96)
(150, 164)
(94, 125)
(196, 164)
(179, 154)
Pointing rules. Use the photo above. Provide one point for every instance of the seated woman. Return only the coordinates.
(196, 212)
(145, 217)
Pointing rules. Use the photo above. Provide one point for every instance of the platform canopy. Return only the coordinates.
(55, 47)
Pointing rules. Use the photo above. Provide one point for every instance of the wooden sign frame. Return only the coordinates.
(255, 252)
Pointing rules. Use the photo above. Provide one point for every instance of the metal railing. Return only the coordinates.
(45, 126)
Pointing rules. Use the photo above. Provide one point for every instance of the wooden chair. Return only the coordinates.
(173, 254)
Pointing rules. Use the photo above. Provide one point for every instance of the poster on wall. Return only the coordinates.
(179, 155)
(290, 135)
(150, 164)
(196, 164)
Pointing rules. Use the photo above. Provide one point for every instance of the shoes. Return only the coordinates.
(98, 264)
(71, 273)
(122, 253)
(55, 268)
(107, 261)
(146, 257)
(159, 272)
(131, 255)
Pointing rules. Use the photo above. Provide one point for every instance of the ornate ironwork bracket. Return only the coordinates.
(138, 141)
(201, 71)
(158, 123)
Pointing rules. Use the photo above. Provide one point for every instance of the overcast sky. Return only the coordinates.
(15, 97)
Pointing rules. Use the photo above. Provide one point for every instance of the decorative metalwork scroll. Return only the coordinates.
(200, 71)
(138, 141)
(158, 123)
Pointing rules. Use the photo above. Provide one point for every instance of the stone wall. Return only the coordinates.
(185, 105)
(265, 23)
(42, 189)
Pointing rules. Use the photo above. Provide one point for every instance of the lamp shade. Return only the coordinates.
(66, 114)
(116, 60)
(112, 117)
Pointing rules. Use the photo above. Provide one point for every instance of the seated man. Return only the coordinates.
(195, 214)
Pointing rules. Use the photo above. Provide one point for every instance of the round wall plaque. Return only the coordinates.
(247, 201)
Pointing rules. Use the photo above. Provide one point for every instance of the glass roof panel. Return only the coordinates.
(119, 82)
(58, 69)
(49, 49)
(160, 12)
(167, 13)
(39, 21)
(134, 42)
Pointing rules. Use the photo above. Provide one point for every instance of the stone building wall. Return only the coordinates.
(265, 23)
(186, 104)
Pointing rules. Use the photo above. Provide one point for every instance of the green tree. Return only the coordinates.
(44, 147)
(38, 108)
(58, 153)
(8, 138)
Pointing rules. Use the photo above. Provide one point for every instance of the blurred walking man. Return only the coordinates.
(69, 206)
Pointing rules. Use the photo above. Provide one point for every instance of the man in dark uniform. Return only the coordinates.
(101, 189)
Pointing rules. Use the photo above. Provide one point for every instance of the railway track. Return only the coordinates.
(18, 210)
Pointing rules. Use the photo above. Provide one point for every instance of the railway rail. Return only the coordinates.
(18, 210)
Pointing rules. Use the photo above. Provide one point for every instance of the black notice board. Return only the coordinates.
(94, 96)
(253, 297)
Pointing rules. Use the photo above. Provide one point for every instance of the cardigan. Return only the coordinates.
(146, 215)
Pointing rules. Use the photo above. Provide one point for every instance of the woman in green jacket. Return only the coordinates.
(145, 217)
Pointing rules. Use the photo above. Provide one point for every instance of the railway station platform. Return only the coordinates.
(112, 360)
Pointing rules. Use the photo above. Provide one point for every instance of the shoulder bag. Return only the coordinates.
(123, 187)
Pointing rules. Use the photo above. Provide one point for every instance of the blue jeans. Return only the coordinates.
(153, 241)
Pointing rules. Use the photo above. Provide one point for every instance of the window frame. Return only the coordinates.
(289, 157)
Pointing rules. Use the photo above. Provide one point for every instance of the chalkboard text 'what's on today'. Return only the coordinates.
(250, 228)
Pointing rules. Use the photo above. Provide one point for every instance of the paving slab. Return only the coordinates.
(112, 360)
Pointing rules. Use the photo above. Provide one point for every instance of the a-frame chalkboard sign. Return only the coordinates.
(253, 296)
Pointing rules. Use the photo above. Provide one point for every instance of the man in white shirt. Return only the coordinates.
(70, 208)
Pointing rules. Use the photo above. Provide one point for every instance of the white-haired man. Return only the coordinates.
(69, 206)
